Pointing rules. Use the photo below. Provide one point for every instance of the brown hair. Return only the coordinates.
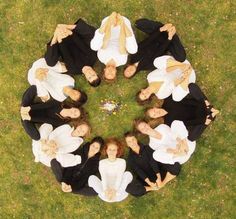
(120, 148)
(137, 122)
(82, 122)
(143, 102)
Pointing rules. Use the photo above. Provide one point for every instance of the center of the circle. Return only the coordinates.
(110, 106)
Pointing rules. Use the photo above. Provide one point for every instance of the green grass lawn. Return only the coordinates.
(206, 185)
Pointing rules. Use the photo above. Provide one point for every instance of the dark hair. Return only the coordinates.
(129, 134)
(137, 122)
(95, 82)
(82, 100)
(120, 148)
(143, 102)
(99, 140)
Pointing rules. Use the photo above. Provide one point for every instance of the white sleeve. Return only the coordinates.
(61, 130)
(97, 41)
(39, 155)
(41, 91)
(179, 93)
(57, 68)
(161, 62)
(71, 145)
(178, 129)
(130, 42)
(45, 130)
(162, 156)
(120, 172)
(68, 160)
(102, 171)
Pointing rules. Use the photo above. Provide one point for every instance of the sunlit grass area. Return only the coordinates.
(206, 186)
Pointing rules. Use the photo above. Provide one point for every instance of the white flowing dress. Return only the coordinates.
(112, 50)
(54, 82)
(169, 140)
(113, 175)
(168, 87)
(65, 142)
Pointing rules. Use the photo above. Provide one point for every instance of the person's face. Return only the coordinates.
(74, 113)
(131, 141)
(156, 112)
(112, 150)
(143, 127)
(145, 94)
(91, 76)
(80, 130)
(110, 72)
(94, 148)
(75, 95)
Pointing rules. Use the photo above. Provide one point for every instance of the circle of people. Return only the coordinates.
(52, 113)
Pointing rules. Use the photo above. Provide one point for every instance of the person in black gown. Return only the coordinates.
(71, 44)
(151, 175)
(194, 110)
(51, 112)
(162, 40)
(74, 179)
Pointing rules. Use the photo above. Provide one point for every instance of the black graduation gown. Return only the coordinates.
(192, 110)
(40, 113)
(155, 45)
(77, 176)
(74, 50)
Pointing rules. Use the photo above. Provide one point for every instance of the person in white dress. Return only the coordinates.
(114, 40)
(170, 78)
(114, 179)
(58, 144)
(50, 81)
(169, 143)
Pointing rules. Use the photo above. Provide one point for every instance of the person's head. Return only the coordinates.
(142, 126)
(144, 96)
(113, 148)
(109, 73)
(72, 113)
(91, 76)
(131, 140)
(75, 95)
(82, 129)
(96, 145)
(155, 112)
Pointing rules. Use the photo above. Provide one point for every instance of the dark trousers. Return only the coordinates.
(137, 186)
(58, 170)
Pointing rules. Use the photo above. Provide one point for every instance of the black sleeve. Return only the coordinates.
(136, 169)
(148, 26)
(196, 92)
(46, 105)
(196, 131)
(151, 160)
(84, 30)
(176, 49)
(28, 96)
(52, 54)
(31, 129)
(81, 150)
